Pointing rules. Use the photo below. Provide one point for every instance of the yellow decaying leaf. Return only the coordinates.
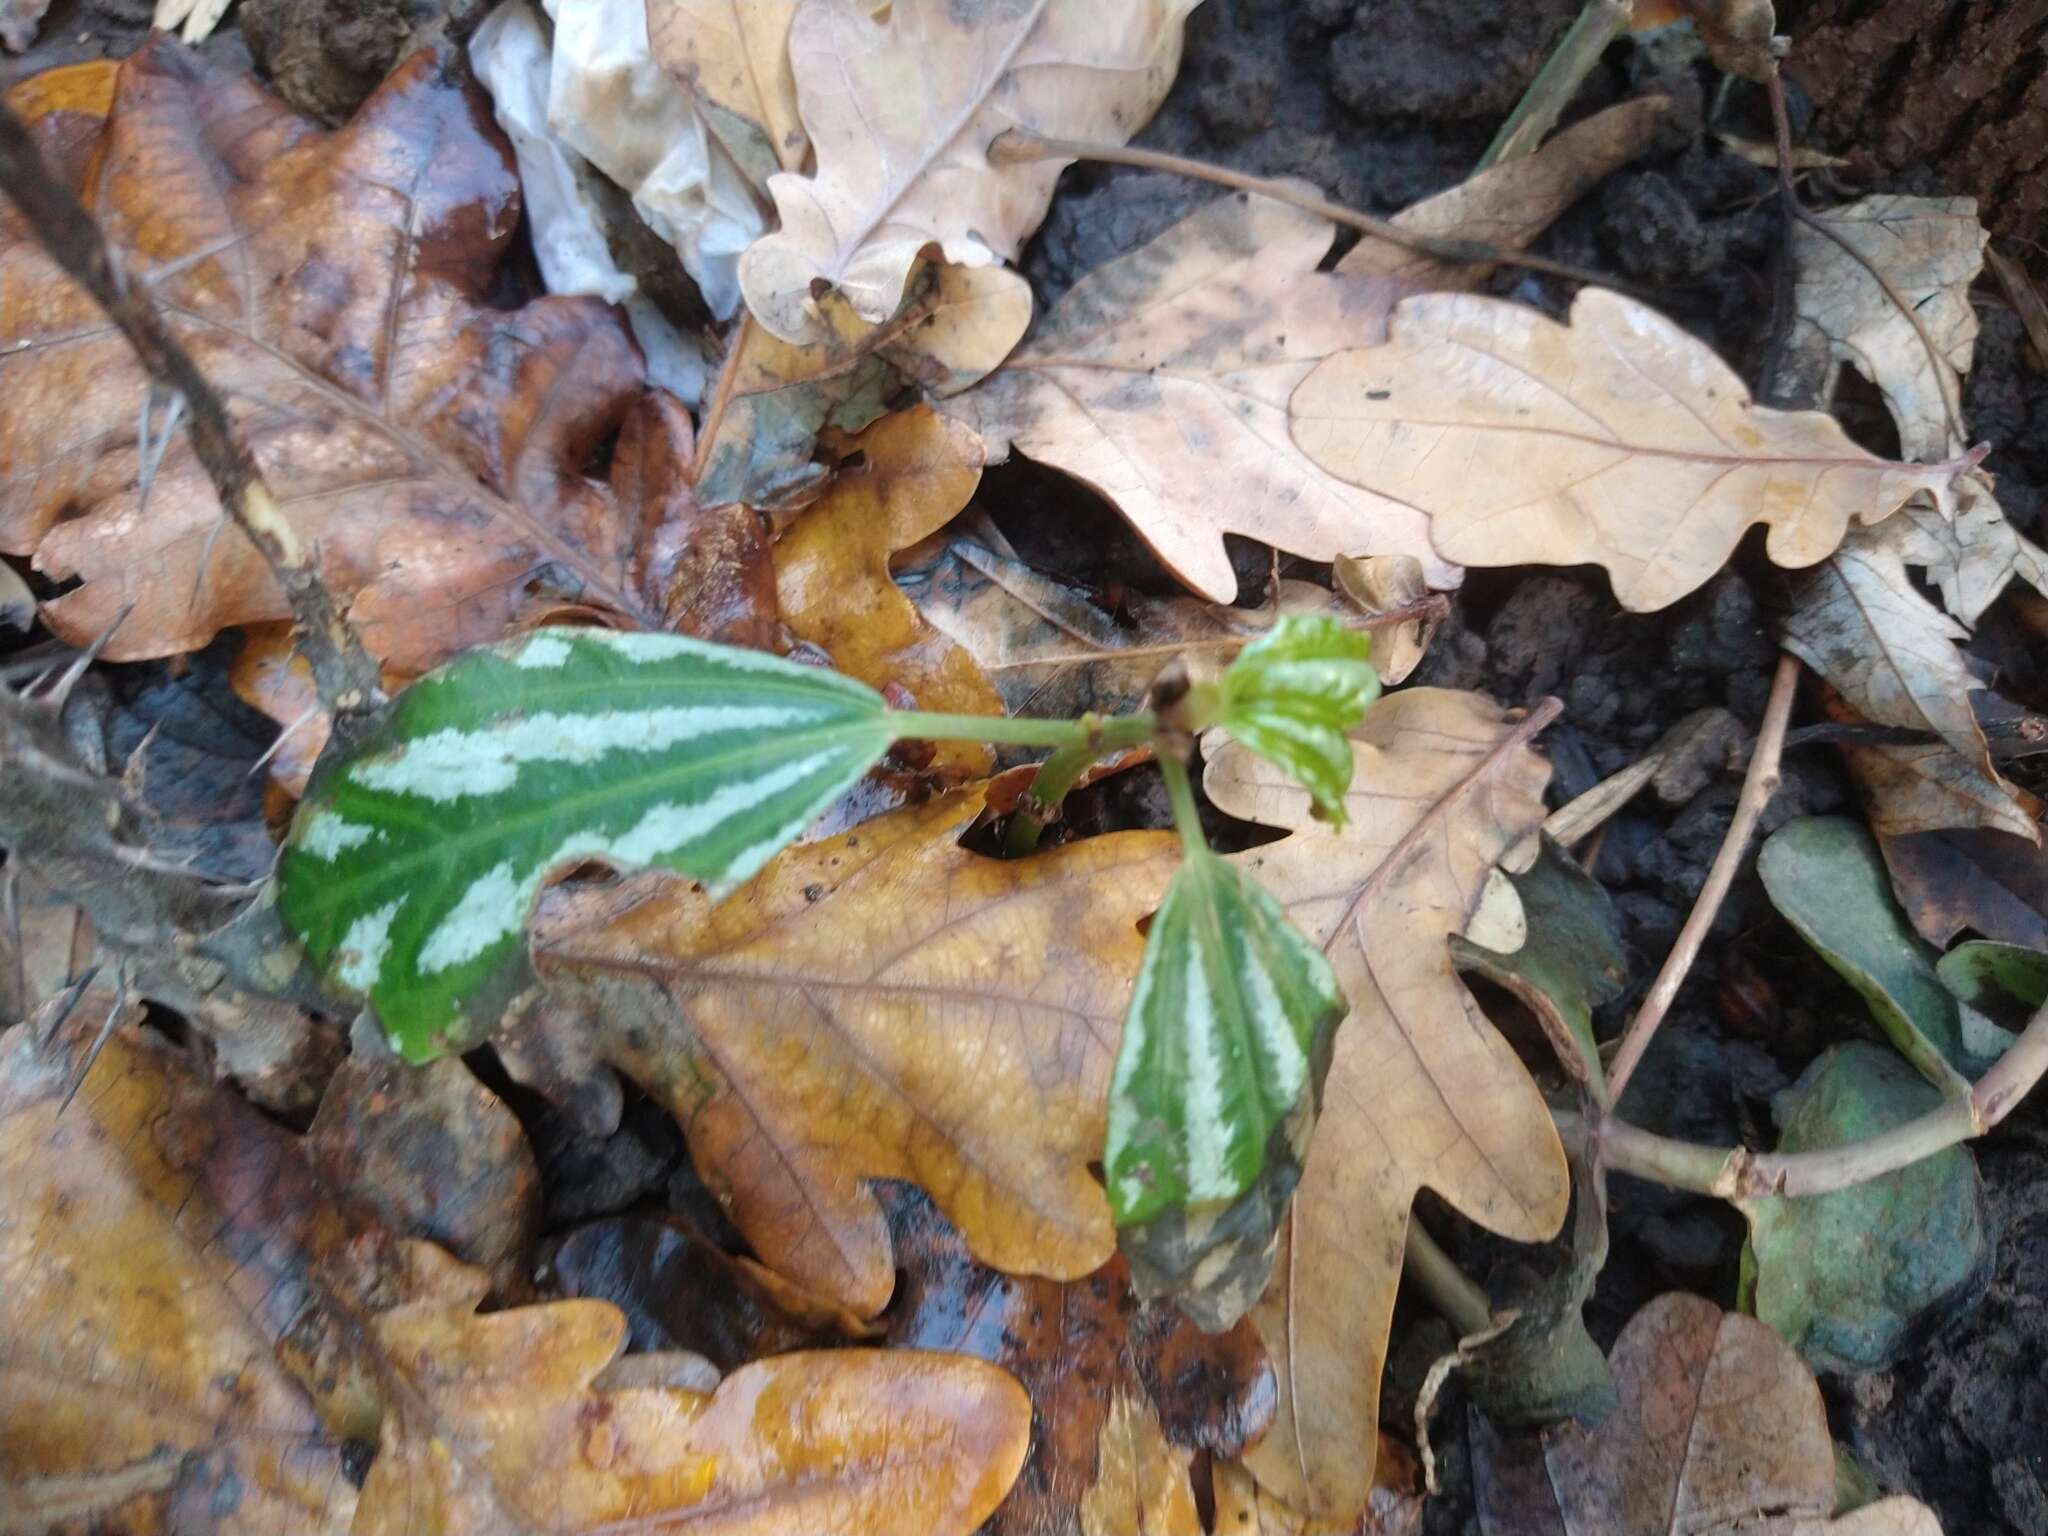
(902, 102)
(861, 1442)
(1421, 1090)
(1163, 379)
(1141, 1488)
(1618, 440)
(832, 572)
(1510, 204)
(189, 1329)
(733, 56)
(880, 1005)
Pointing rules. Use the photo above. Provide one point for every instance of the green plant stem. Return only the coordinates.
(1099, 736)
(1180, 793)
(1056, 777)
(1463, 1305)
(1599, 24)
(1736, 1173)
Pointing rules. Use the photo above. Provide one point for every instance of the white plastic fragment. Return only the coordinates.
(512, 56)
(610, 102)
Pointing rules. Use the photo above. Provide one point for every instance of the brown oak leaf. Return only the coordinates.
(335, 287)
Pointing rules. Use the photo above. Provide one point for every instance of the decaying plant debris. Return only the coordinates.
(737, 440)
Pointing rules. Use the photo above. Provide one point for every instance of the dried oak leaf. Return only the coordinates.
(333, 287)
(1421, 1090)
(1618, 440)
(915, 471)
(882, 1004)
(1721, 1430)
(1510, 204)
(1930, 250)
(1125, 1392)
(1895, 658)
(733, 57)
(1053, 649)
(1163, 378)
(902, 102)
(189, 1330)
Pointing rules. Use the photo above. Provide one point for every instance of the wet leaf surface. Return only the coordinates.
(1851, 1278)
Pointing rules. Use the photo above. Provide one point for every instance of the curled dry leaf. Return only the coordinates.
(1618, 440)
(331, 286)
(915, 471)
(1125, 1391)
(188, 1345)
(1508, 205)
(1444, 784)
(902, 102)
(1162, 379)
(1895, 658)
(1931, 788)
(1930, 251)
(1054, 649)
(1990, 882)
(1721, 1429)
(759, 436)
(882, 1004)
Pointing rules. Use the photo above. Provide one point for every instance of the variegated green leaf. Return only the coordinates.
(1231, 1015)
(413, 862)
(1293, 693)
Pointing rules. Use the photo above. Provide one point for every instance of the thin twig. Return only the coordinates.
(1736, 1173)
(1449, 1289)
(344, 673)
(1758, 786)
(1020, 146)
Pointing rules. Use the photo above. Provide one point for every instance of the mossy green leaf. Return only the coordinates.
(1827, 877)
(1848, 1278)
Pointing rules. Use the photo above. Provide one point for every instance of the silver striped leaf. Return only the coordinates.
(1224, 1042)
(1293, 694)
(411, 864)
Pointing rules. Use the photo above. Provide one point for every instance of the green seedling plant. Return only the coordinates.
(413, 863)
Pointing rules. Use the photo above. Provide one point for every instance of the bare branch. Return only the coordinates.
(1757, 788)
(342, 670)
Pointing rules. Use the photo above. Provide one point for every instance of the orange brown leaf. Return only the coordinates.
(882, 1004)
(333, 287)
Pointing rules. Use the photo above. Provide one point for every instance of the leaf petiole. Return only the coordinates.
(1104, 736)
(1180, 793)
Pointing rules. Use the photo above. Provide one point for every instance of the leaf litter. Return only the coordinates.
(888, 1008)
